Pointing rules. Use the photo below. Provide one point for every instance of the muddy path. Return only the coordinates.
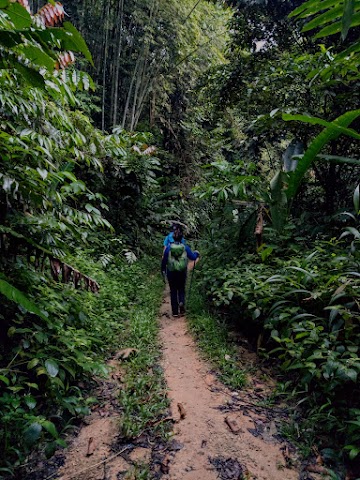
(223, 434)
(217, 433)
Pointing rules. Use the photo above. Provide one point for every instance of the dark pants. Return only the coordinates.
(177, 289)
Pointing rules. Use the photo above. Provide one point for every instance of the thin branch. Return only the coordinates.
(74, 475)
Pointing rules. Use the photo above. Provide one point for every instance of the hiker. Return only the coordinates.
(170, 237)
(174, 266)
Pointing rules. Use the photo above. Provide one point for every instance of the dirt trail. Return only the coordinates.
(223, 435)
(210, 450)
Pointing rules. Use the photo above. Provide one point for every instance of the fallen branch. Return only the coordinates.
(182, 411)
(74, 475)
(318, 469)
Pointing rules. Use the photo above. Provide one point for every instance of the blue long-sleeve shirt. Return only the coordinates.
(190, 254)
(170, 239)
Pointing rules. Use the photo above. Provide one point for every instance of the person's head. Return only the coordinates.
(178, 234)
(177, 227)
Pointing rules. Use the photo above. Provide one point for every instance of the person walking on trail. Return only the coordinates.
(174, 266)
(169, 239)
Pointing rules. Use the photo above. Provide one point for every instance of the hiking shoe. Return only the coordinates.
(175, 315)
(181, 309)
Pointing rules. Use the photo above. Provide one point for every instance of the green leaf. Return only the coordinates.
(324, 123)
(61, 442)
(30, 401)
(354, 231)
(32, 363)
(50, 427)
(18, 15)
(354, 452)
(348, 12)
(38, 57)
(352, 374)
(78, 41)
(16, 296)
(5, 380)
(324, 18)
(338, 159)
(32, 433)
(328, 134)
(4, 3)
(10, 39)
(336, 27)
(52, 367)
(303, 8)
(356, 199)
(31, 76)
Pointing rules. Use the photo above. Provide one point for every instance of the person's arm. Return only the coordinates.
(166, 241)
(165, 259)
(191, 255)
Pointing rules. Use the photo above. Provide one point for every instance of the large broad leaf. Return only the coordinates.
(18, 15)
(349, 7)
(52, 367)
(356, 199)
(319, 121)
(31, 76)
(12, 293)
(38, 57)
(50, 427)
(332, 132)
(32, 433)
(10, 39)
(326, 17)
(312, 7)
(340, 15)
(337, 27)
(338, 159)
(78, 41)
(278, 201)
(15, 234)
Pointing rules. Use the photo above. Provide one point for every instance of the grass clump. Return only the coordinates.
(143, 399)
(213, 339)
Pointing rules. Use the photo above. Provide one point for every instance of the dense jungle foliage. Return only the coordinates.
(238, 118)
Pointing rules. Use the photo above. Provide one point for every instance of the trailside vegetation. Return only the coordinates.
(281, 195)
(67, 281)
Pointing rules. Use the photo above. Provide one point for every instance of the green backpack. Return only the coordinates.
(177, 260)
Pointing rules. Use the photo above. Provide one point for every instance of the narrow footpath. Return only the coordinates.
(217, 433)
(214, 432)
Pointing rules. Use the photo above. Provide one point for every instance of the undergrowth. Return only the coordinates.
(301, 306)
(43, 360)
(212, 336)
(143, 397)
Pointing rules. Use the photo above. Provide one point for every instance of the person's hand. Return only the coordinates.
(164, 276)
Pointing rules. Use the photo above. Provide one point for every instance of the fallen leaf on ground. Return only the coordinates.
(232, 424)
(181, 411)
(124, 354)
(91, 447)
(165, 465)
(287, 457)
(318, 469)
